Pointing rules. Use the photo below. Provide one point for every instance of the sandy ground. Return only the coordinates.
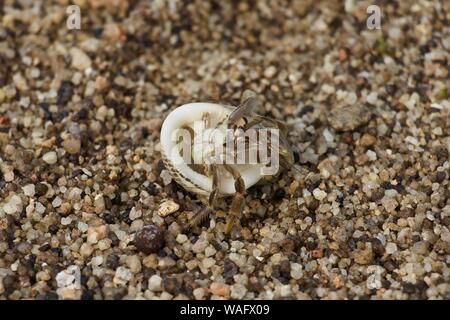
(365, 215)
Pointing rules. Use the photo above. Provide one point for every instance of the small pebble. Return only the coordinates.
(168, 207)
(122, 276)
(155, 283)
(29, 190)
(134, 263)
(319, 194)
(219, 289)
(349, 118)
(80, 60)
(50, 157)
(270, 72)
(199, 293)
(72, 145)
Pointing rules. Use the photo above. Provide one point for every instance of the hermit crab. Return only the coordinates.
(216, 150)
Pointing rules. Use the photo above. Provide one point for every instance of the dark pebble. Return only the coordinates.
(80, 115)
(65, 93)
(313, 205)
(57, 251)
(421, 286)
(305, 110)
(112, 261)
(390, 265)
(152, 189)
(377, 195)
(148, 272)
(230, 269)
(87, 295)
(109, 218)
(51, 296)
(408, 287)
(440, 176)
(278, 195)
(310, 245)
(377, 247)
(296, 156)
(285, 268)
(41, 189)
(171, 285)
(441, 152)
(386, 185)
(279, 275)
(125, 217)
(160, 167)
(114, 240)
(53, 229)
(44, 247)
(149, 239)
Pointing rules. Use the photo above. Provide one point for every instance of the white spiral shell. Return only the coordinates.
(191, 180)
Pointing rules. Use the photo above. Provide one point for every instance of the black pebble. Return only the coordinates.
(65, 92)
(97, 32)
(44, 247)
(387, 185)
(41, 189)
(408, 287)
(125, 217)
(108, 217)
(424, 49)
(440, 176)
(112, 261)
(148, 272)
(391, 89)
(152, 189)
(87, 295)
(160, 167)
(53, 229)
(305, 110)
(279, 195)
(171, 285)
(296, 156)
(114, 240)
(80, 115)
(230, 269)
(57, 251)
(310, 245)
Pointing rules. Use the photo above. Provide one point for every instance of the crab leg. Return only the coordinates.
(238, 199)
(205, 212)
(275, 123)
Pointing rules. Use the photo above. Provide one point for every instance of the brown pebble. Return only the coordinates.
(65, 209)
(149, 239)
(72, 145)
(363, 257)
(338, 282)
(349, 118)
(318, 253)
(367, 140)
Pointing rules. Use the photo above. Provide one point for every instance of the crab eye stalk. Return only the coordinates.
(250, 102)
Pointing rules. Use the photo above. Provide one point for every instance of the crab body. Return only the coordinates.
(194, 146)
